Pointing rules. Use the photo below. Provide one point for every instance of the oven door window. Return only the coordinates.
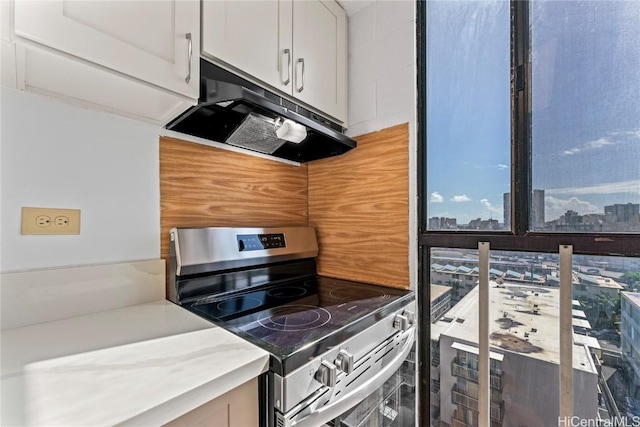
(393, 404)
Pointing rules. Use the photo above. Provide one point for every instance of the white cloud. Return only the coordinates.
(460, 199)
(436, 197)
(554, 207)
(590, 145)
(632, 187)
(599, 143)
(571, 152)
(635, 133)
(492, 209)
(501, 166)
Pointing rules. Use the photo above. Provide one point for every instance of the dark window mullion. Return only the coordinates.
(520, 119)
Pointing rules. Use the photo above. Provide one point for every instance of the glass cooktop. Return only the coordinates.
(297, 320)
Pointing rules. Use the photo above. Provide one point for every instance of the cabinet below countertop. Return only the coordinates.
(146, 364)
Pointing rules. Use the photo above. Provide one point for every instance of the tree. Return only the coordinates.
(631, 279)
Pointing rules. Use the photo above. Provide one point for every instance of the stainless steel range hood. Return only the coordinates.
(234, 111)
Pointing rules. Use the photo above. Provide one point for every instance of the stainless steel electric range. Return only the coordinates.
(339, 349)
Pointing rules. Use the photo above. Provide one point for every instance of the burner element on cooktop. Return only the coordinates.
(235, 304)
(294, 318)
(287, 292)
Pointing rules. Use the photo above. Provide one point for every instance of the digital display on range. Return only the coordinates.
(255, 242)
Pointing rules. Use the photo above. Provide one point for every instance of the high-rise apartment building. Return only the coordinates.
(524, 361)
(506, 210)
(629, 212)
(537, 210)
(442, 223)
(630, 337)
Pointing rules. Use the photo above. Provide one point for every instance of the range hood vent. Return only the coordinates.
(234, 111)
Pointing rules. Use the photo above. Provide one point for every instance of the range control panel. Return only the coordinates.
(255, 242)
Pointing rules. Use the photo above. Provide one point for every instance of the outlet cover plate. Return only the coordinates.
(50, 221)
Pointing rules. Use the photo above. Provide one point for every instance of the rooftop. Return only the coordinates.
(438, 290)
(633, 297)
(605, 282)
(523, 319)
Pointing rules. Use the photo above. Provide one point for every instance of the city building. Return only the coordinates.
(629, 212)
(440, 301)
(590, 286)
(621, 218)
(630, 338)
(524, 360)
(537, 210)
(442, 223)
(506, 210)
(460, 279)
(484, 224)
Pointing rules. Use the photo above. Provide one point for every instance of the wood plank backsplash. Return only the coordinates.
(207, 186)
(359, 204)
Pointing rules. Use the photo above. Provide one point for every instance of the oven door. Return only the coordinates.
(391, 405)
(358, 400)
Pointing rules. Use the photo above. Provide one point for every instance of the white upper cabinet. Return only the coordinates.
(320, 52)
(154, 41)
(297, 47)
(249, 36)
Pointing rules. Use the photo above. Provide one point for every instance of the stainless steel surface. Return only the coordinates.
(328, 384)
(290, 390)
(410, 315)
(288, 53)
(401, 322)
(258, 133)
(344, 361)
(326, 374)
(188, 78)
(301, 61)
(200, 250)
(326, 407)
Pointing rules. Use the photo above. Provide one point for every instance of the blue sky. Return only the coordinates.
(586, 106)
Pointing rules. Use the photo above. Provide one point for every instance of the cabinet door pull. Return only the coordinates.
(188, 78)
(301, 88)
(288, 53)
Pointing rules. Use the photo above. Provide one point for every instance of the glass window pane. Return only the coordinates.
(607, 321)
(468, 115)
(585, 116)
(454, 337)
(524, 334)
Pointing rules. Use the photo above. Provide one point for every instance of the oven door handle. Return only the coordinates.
(348, 401)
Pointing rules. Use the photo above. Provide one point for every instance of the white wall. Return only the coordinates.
(57, 155)
(382, 83)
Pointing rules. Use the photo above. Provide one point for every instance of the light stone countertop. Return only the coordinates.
(145, 364)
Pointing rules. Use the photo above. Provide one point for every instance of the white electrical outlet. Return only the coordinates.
(50, 221)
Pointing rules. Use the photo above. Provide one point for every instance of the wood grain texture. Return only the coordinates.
(208, 186)
(359, 204)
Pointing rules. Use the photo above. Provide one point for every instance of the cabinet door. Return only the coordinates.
(320, 56)
(236, 408)
(253, 37)
(143, 39)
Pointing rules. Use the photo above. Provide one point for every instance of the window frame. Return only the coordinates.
(519, 238)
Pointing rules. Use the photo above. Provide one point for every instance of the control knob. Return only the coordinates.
(410, 315)
(401, 322)
(326, 374)
(344, 361)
